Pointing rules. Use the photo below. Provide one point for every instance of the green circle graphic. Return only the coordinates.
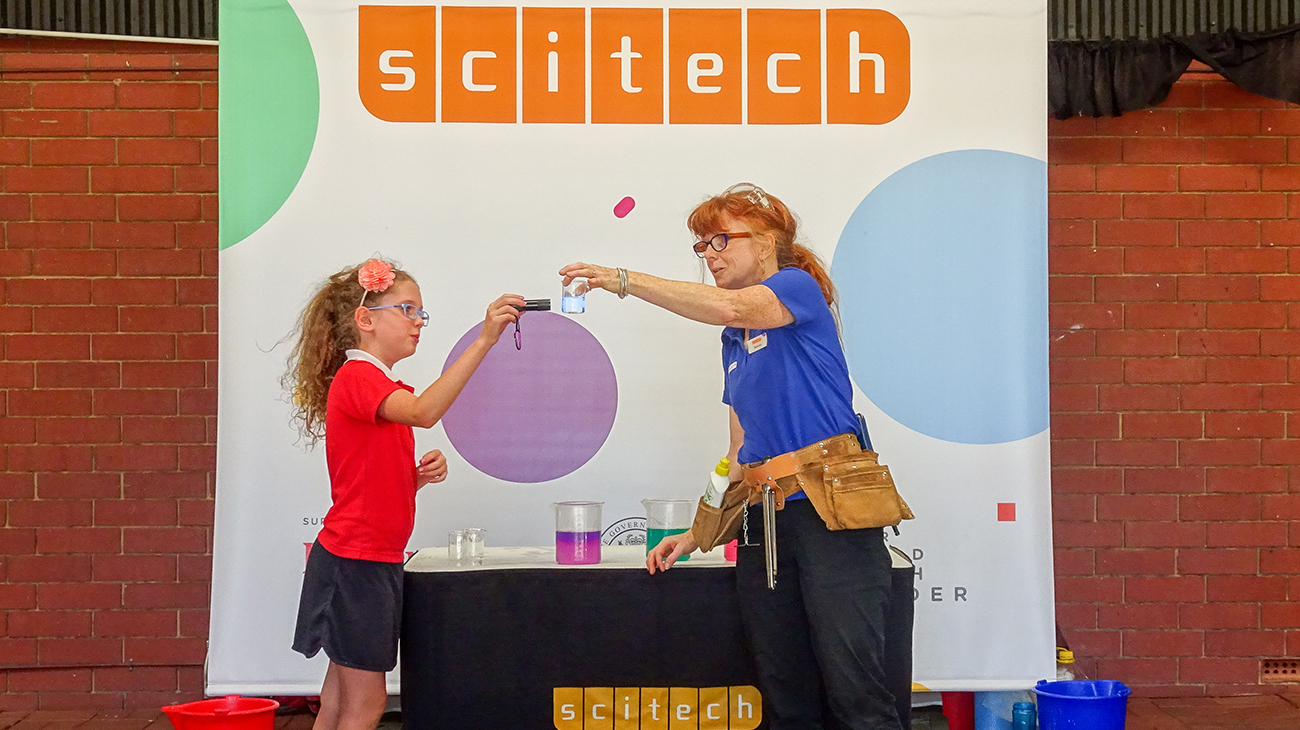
(270, 106)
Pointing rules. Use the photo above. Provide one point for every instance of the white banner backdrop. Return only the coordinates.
(928, 201)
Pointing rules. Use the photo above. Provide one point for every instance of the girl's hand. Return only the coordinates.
(431, 469)
(663, 555)
(598, 277)
(500, 314)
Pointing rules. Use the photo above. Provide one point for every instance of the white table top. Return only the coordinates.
(617, 557)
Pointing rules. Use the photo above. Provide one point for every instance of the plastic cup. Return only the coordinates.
(577, 532)
(456, 545)
(664, 517)
(475, 543)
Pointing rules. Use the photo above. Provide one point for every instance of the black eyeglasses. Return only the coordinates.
(716, 242)
(410, 311)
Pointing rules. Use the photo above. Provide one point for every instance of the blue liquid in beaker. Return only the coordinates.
(573, 305)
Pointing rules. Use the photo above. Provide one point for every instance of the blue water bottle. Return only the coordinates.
(1024, 716)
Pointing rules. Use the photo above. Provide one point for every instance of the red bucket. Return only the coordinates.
(231, 712)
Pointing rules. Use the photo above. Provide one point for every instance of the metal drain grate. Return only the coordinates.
(1275, 671)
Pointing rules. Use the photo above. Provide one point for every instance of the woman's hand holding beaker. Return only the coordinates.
(598, 277)
(662, 556)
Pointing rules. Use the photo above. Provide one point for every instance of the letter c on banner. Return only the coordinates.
(467, 71)
(694, 72)
(773, 85)
(406, 72)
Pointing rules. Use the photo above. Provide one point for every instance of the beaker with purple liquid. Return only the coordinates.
(577, 532)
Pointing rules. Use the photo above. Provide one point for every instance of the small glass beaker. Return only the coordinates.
(475, 543)
(577, 532)
(573, 300)
(664, 517)
(456, 545)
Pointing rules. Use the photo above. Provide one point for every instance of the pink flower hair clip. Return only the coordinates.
(375, 276)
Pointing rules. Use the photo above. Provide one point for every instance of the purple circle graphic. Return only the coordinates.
(538, 413)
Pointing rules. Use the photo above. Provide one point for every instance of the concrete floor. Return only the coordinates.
(1253, 712)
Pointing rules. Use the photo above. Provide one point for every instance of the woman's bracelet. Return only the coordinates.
(622, 283)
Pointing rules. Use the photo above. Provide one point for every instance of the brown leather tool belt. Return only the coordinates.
(785, 472)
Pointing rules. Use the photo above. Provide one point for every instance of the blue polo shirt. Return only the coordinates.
(794, 391)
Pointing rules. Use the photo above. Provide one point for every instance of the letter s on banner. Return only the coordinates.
(407, 73)
(405, 92)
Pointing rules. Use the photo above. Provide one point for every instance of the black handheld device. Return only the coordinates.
(536, 305)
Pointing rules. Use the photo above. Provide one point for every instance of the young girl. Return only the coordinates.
(357, 326)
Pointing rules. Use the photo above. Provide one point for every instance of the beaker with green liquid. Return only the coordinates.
(664, 517)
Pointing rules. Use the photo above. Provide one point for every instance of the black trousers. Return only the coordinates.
(819, 638)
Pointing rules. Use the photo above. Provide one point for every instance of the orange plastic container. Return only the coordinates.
(231, 712)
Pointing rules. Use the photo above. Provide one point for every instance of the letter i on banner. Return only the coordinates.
(627, 708)
(704, 66)
(478, 64)
(627, 66)
(785, 67)
(868, 67)
(397, 62)
(555, 74)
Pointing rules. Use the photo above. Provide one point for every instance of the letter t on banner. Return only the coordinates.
(627, 66)
(478, 64)
(396, 62)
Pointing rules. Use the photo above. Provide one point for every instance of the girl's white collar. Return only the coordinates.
(356, 354)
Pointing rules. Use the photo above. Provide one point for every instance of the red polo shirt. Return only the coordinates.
(372, 468)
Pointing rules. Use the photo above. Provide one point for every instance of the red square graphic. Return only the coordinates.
(1006, 511)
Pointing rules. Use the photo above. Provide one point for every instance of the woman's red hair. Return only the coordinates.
(765, 214)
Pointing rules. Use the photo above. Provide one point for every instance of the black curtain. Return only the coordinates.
(1112, 77)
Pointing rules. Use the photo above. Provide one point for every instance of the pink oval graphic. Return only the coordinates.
(623, 207)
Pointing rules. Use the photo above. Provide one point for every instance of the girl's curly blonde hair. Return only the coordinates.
(326, 330)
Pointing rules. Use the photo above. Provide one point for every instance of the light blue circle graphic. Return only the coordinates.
(942, 274)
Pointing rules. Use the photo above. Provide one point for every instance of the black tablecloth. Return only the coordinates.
(487, 648)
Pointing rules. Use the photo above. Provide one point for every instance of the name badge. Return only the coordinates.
(756, 343)
(732, 366)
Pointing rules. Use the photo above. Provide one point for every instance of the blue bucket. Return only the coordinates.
(1082, 704)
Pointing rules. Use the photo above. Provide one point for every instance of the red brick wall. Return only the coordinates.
(108, 371)
(1175, 376)
(1172, 368)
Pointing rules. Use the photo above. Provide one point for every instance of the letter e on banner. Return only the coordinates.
(568, 708)
(868, 67)
(704, 66)
(627, 66)
(682, 705)
(478, 64)
(396, 62)
(785, 67)
(555, 72)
